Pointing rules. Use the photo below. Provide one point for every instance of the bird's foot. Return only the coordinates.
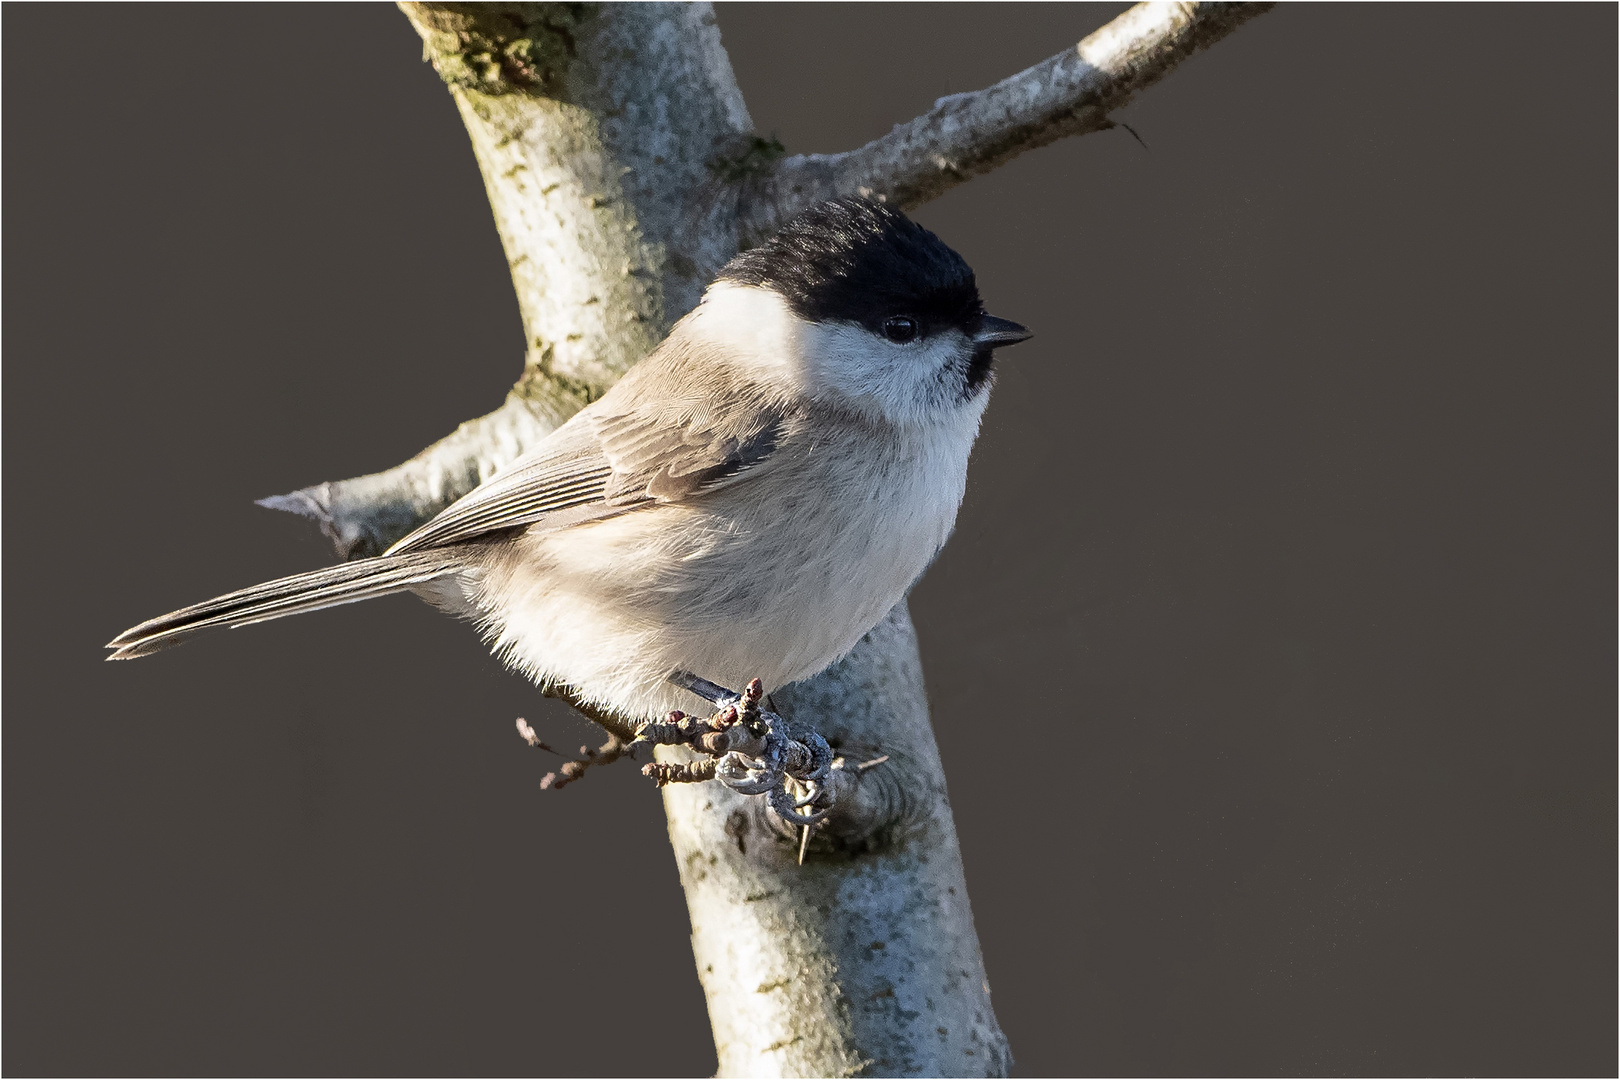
(751, 750)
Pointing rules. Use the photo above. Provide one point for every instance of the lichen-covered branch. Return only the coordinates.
(967, 134)
(602, 132)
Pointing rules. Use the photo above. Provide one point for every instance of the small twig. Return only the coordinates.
(1141, 141)
(665, 773)
(749, 749)
(533, 739)
(965, 135)
(606, 754)
(614, 724)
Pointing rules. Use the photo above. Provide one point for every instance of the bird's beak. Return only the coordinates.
(993, 332)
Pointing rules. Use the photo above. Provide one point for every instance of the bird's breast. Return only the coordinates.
(772, 577)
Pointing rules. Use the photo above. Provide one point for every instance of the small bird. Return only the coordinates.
(748, 501)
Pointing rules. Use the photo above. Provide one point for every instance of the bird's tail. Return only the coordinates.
(358, 580)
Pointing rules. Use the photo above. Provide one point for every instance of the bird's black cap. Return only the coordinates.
(860, 261)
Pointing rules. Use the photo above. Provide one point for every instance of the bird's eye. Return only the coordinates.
(900, 329)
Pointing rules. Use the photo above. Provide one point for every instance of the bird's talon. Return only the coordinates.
(782, 804)
(753, 751)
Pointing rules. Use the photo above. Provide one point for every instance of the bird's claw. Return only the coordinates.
(786, 809)
(757, 751)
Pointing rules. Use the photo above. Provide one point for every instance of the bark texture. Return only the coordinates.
(647, 91)
(623, 172)
(965, 135)
(863, 961)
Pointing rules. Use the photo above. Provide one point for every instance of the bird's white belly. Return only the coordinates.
(722, 588)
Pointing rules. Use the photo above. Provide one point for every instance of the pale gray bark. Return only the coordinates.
(651, 95)
(965, 135)
(863, 961)
(622, 172)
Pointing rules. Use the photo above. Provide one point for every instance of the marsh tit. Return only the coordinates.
(748, 501)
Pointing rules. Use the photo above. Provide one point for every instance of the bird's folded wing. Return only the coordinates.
(672, 452)
(614, 456)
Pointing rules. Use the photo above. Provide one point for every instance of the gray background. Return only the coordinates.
(1273, 660)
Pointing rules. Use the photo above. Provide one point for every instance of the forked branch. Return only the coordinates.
(965, 135)
(622, 172)
(747, 748)
(962, 136)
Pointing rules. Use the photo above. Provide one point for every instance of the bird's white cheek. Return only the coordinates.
(757, 332)
(761, 336)
(901, 383)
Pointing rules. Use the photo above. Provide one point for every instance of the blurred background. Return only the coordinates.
(1293, 530)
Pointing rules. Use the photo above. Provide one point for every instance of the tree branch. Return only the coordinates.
(688, 218)
(365, 515)
(617, 155)
(965, 135)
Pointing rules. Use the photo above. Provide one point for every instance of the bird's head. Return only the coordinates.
(856, 304)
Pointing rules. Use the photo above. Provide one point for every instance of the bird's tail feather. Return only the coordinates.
(358, 580)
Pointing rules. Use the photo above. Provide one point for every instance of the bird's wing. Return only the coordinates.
(675, 450)
(617, 455)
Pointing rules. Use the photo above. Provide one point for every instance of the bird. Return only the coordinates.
(748, 501)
